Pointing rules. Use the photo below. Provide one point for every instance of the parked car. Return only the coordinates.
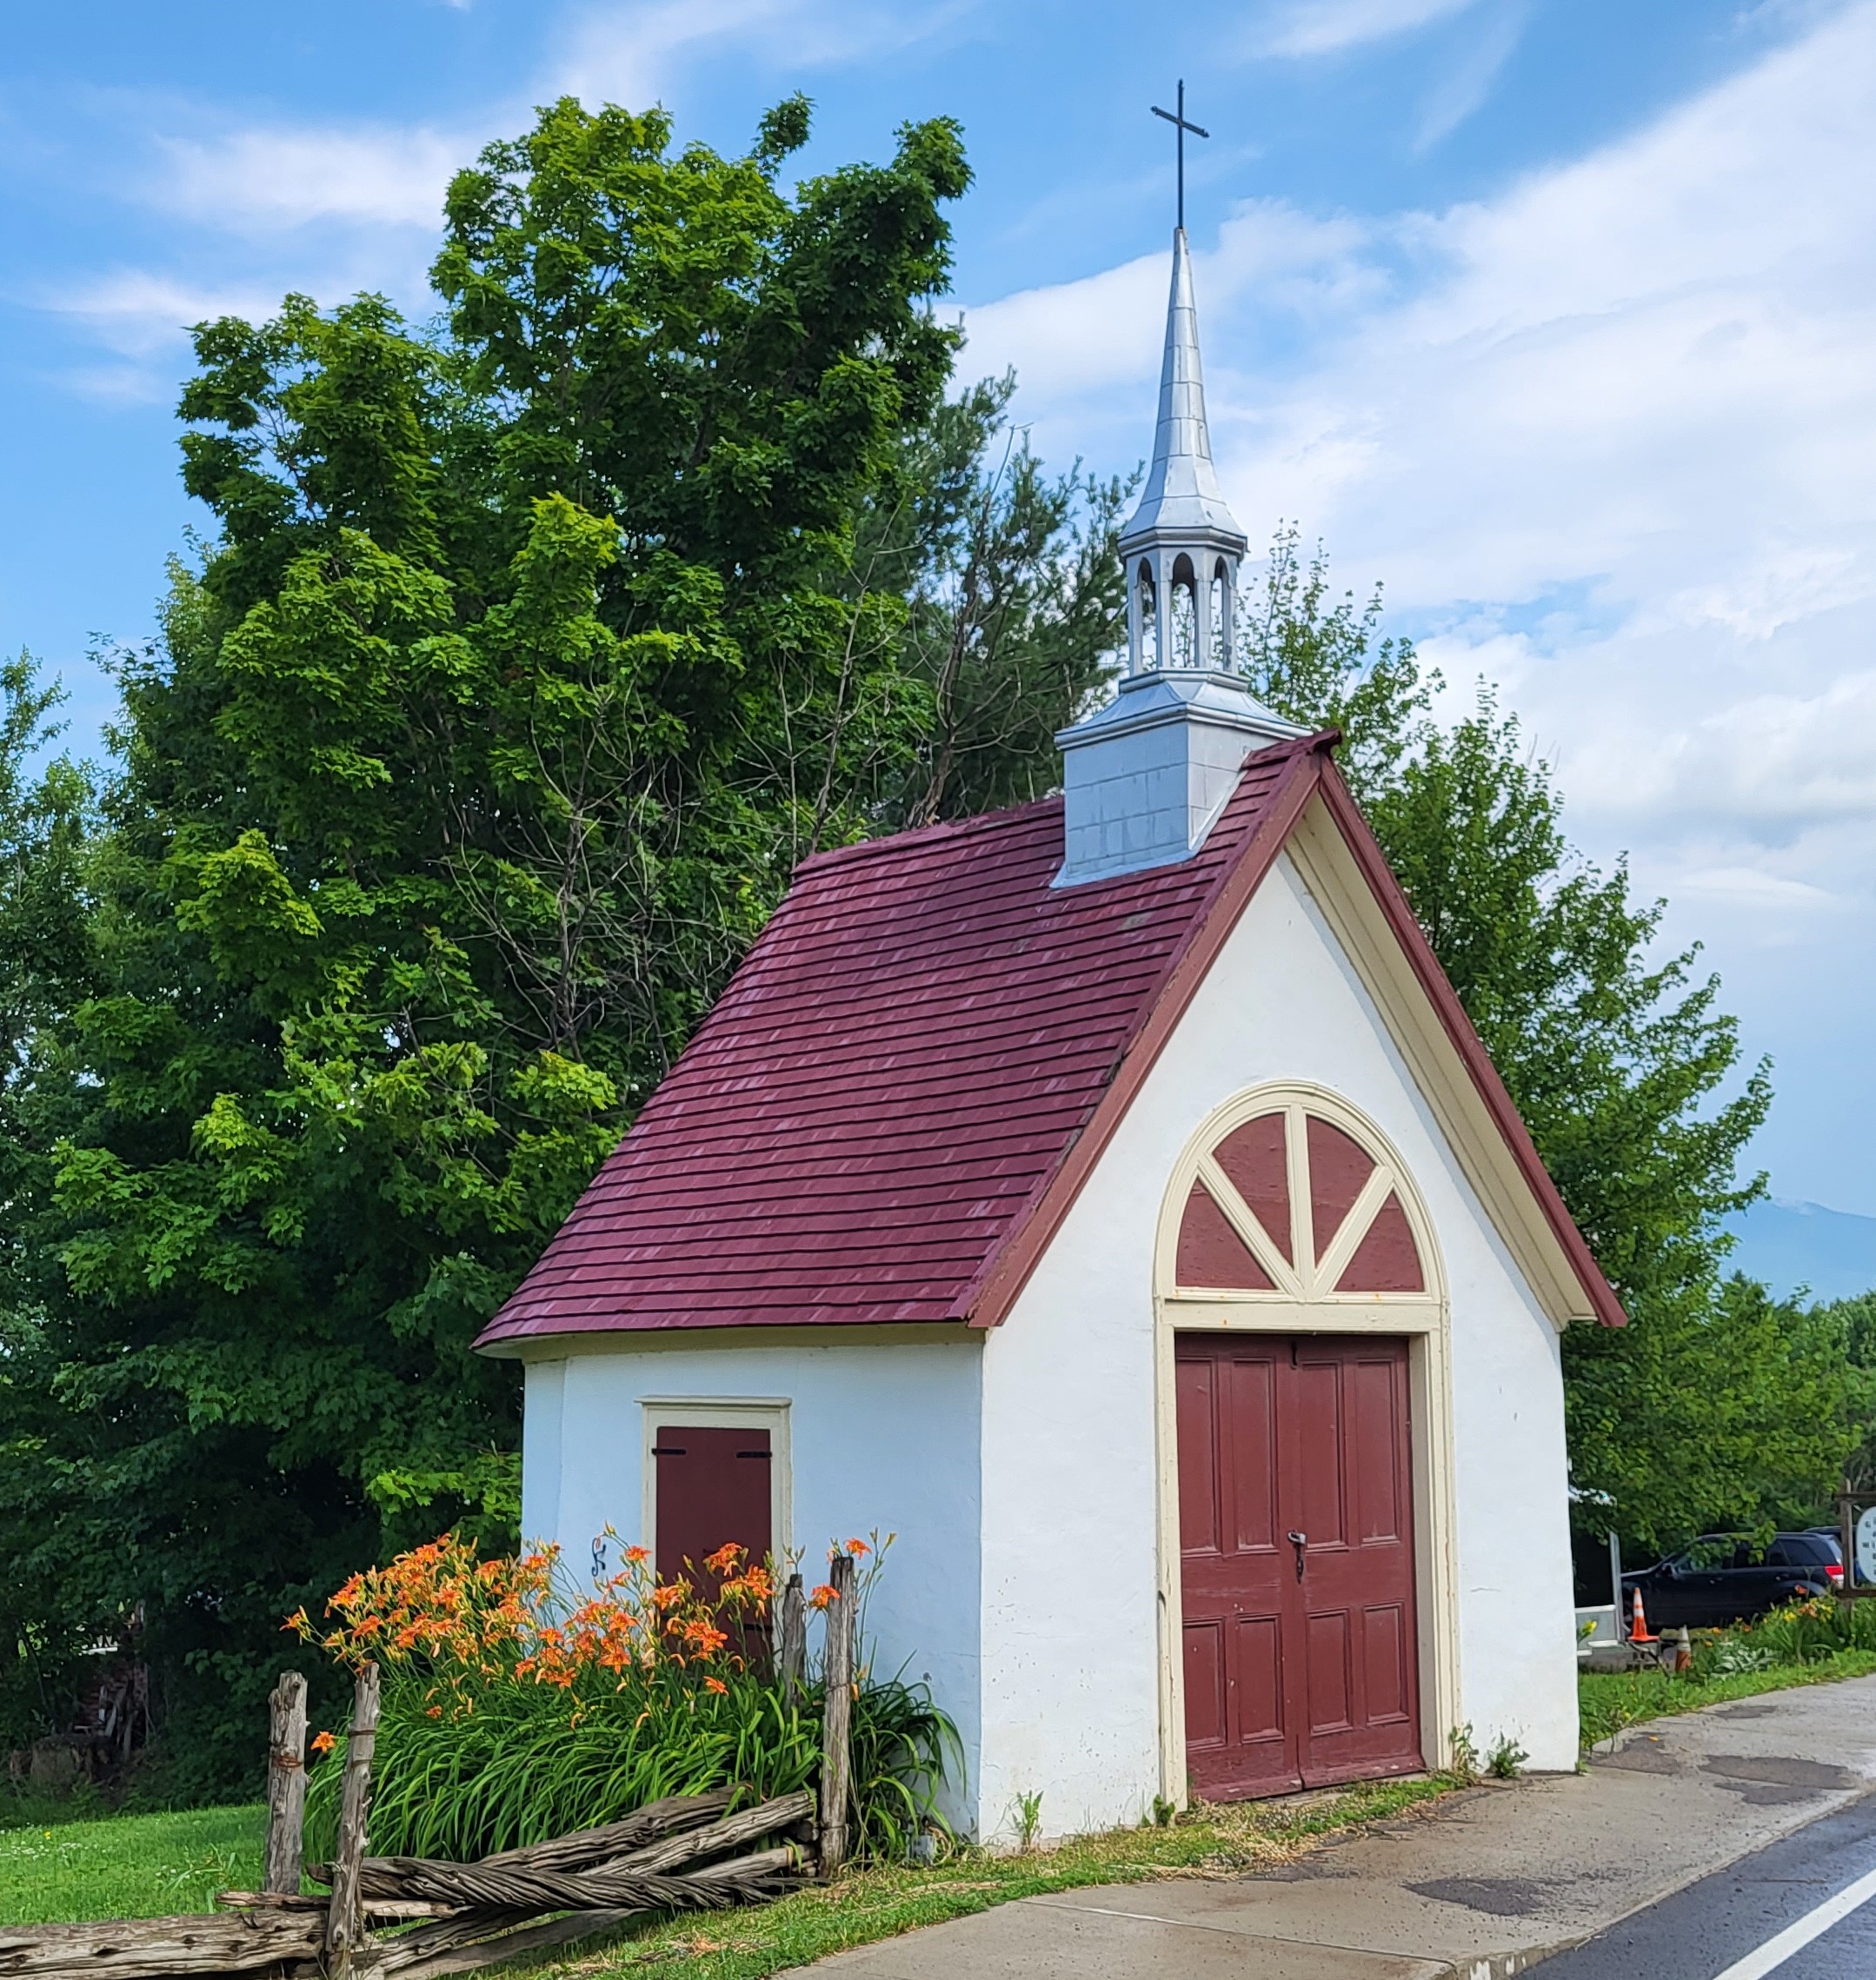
(1724, 1577)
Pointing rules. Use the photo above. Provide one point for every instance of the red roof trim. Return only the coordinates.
(1360, 840)
(987, 1300)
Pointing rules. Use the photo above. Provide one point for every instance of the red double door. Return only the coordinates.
(1296, 1539)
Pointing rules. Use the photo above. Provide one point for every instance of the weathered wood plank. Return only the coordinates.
(791, 1642)
(397, 1910)
(731, 1833)
(436, 1965)
(476, 1885)
(286, 1782)
(141, 1949)
(345, 1922)
(443, 1935)
(836, 1755)
(480, 1938)
(584, 1846)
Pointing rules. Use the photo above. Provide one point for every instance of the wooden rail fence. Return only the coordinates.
(420, 1918)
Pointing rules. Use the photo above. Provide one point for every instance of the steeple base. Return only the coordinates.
(1144, 778)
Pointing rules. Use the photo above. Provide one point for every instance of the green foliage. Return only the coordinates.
(1463, 1765)
(1856, 1318)
(1017, 594)
(1810, 1632)
(524, 1767)
(1803, 1643)
(526, 660)
(517, 1706)
(1506, 1759)
(1728, 1411)
(47, 811)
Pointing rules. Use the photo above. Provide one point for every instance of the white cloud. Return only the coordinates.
(1465, 86)
(289, 176)
(1328, 27)
(141, 316)
(1752, 887)
(630, 53)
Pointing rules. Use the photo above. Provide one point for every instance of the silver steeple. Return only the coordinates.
(1144, 778)
(1182, 546)
(1182, 495)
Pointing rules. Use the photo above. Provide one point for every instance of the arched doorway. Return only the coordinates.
(1304, 1419)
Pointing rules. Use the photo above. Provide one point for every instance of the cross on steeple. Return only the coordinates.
(1178, 120)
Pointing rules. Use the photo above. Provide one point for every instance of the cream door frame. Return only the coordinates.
(1300, 1305)
(727, 1413)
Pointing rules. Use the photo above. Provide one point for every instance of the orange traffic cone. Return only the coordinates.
(1639, 1632)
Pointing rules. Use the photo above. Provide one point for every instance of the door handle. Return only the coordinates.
(1300, 1541)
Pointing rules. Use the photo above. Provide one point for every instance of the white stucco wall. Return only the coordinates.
(880, 1435)
(1070, 1699)
(1040, 1436)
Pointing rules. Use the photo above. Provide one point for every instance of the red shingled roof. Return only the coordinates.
(881, 1101)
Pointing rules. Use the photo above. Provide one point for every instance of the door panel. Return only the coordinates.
(1234, 1564)
(1329, 1688)
(713, 1487)
(1205, 1685)
(1198, 1458)
(1252, 1486)
(1385, 1652)
(1296, 1679)
(1260, 1669)
(1379, 1471)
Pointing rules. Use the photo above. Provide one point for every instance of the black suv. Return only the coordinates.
(1724, 1578)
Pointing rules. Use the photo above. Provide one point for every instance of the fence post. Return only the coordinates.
(286, 1784)
(345, 1917)
(836, 1754)
(791, 1645)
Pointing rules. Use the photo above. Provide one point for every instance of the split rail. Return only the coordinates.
(420, 1918)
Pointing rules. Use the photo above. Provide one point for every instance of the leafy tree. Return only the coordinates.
(1017, 594)
(1713, 1407)
(1856, 1316)
(45, 813)
(529, 658)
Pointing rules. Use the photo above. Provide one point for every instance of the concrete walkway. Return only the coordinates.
(1491, 1882)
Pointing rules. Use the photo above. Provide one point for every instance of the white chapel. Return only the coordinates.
(1110, 1199)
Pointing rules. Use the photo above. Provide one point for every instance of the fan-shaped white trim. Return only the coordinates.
(1309, 1280)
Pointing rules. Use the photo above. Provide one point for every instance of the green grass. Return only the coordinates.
(128, 1866)
(1608, 1701)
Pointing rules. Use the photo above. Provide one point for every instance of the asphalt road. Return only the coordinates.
(1746, 1921)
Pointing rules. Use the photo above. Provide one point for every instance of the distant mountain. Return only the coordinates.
(1789, 1244)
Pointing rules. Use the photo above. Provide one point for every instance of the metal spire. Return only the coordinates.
(1181, 495)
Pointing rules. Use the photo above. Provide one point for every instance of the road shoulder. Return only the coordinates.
(1483, 1883)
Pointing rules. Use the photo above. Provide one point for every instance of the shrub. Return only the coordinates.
(515, 1708)
(1807, 1632)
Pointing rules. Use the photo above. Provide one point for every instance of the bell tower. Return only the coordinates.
(1144, 777)
(1182, 546)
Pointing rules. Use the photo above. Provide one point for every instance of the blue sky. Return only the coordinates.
(1558, 316)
